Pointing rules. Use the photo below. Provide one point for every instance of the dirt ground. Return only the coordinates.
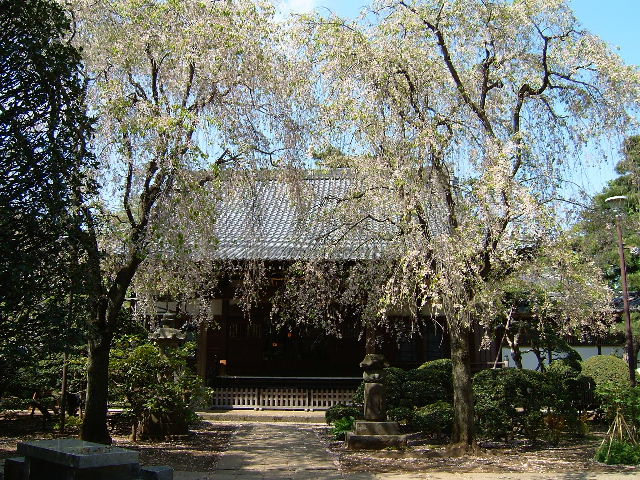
(199, 451)
(571, 455)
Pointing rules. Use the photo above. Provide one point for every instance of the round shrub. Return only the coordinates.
(434, 419)
(340, 411)
(429, 383)
(509, 400)
(606, 368)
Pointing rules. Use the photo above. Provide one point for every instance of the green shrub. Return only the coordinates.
(158, 388)
(408, 389)
(335, 413)
(399, 414)
(623, 398)
(569, 394)
(509, 400)
(618, 452)
(429, 383)
(394, 381)
(434, 419)
(341, 426)
(606, 368)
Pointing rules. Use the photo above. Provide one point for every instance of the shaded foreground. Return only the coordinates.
(571, 456)
(197, 452)
(202, 450)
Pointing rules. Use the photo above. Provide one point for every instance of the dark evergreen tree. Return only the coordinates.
(43, 163)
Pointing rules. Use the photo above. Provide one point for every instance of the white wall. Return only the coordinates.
(530, 361)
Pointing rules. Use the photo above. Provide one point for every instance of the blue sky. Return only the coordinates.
(617, 22)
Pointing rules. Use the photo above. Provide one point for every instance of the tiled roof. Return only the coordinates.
(270, 222)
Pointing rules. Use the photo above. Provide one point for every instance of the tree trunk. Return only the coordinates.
(514, 346)
(463, 424)
(94, 424)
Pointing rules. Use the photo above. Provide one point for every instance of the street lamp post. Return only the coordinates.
(618, 203)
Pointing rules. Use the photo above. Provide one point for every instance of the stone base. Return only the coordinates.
(375, 442)
(364, 427)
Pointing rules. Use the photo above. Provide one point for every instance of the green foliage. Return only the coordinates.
(508, 401)
(70, 421)
(43, 130)
(43, 160)
(154, 383)
(616, 452)
(341, 410)
(621, 399)
(399, 414)
(597, 233)
(531, 403)
(341, 426)
(434, 419)
(568, 357)
(570, 394)
(44, 378)
(606, 368)
(407, 389)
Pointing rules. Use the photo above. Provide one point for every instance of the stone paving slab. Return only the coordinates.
(276, 448)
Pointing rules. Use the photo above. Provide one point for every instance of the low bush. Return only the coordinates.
(509, 400)
(624, 399)
(399, 414)
(339, 411)
(433, 419)
(617, 452)
(341, 426)
(406, 390)
(570, 395)
(606, 368)
(512, 401)
(158, 388)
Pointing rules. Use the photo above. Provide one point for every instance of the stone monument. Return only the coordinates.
(375, 432)
(72, 459)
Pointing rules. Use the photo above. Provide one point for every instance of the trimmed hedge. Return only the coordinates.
(434, 419)
(512, 401)
(408, 389)
(606, 368)
(509, 400)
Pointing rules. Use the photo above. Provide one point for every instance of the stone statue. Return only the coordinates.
(374, 404)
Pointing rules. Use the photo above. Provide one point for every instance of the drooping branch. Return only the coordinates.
(446, 56)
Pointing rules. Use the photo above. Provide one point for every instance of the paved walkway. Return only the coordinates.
(289, 451)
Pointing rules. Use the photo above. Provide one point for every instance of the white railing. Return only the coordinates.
(280, 398)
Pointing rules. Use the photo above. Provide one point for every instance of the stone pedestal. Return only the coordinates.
(376, 436)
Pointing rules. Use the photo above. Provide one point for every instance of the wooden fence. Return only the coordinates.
(282, 393)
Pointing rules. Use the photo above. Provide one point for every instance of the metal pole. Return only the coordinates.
(625, 298)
